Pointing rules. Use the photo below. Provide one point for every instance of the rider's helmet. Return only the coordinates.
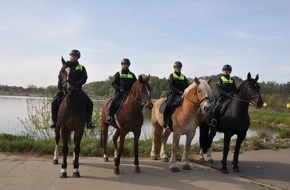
(125, 61)
(227, 68)
(177, 64)
(76, 53)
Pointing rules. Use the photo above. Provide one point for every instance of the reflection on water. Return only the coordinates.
(13, 107)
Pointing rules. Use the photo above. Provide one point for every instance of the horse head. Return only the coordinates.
(143, 91)
(68, 80)
(250, 91)
(202, 93)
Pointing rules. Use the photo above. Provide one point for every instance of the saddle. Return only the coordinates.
(224, 106)
(175, 103)
(118, 105)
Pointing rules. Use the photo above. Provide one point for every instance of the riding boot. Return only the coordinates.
(165, 117)
(54, 111)
(109, 119)
(213, 122)
(90, 124)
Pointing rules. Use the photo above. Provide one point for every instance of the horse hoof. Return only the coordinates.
(137, 169)
(236, 169)
(63, 175)
(165, 160)
(202, 159)
(153, 157)
(186, 167)
(55, 162)
(225, 170)
(116, 171)
(76, 174)
(210, 161)
(106, 159)
(174, 170)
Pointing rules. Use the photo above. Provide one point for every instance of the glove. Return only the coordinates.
(122, 90)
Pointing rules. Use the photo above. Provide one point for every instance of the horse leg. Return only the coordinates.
(77, 141)
(209, 143)
(115, 139)
(56, 151)
(175, 144)
(235, 162)
(185, 164)
(164, 138)
(203, 138)
(156, 140)
(65, 138)
(119, 153)
(227, 140)
(136, 150)
(104, 139)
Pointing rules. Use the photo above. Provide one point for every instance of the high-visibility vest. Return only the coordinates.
(181, 77)
(126, 76)
(79, 67)
(225, 80)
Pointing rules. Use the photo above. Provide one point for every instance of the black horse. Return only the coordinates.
(234, 121)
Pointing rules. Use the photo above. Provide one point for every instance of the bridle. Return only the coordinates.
(140, 96)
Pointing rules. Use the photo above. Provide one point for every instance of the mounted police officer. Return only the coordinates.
(74, 65)
(226, 88)
(122, 83)
(178, 83)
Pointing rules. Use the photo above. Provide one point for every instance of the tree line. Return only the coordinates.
(275, 94)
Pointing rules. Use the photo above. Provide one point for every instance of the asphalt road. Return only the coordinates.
(262, 169)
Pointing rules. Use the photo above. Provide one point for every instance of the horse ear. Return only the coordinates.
(209, 81)
(140, 78)
(63, 61)
(257, 77)
(196, 81)
(249, 76)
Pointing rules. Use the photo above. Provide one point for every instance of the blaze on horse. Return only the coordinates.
(71, 117)
(129, 119)
(184, 122)
(235, 121)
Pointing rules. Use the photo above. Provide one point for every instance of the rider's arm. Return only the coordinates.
(84, 78)
(116, 82)
(172, 87)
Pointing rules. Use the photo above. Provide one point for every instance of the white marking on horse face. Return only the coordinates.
(67, 70)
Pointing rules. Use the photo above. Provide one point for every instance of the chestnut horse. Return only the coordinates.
(129, 119)
(71, 117)
(184, 122)
(235, 121)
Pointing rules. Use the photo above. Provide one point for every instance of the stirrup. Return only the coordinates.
(53, 125)
(109, 120)
(91, 125)
(213, 123)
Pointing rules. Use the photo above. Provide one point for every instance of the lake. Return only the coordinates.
(14, 107)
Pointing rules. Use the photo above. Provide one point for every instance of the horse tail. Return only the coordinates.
(203, 136)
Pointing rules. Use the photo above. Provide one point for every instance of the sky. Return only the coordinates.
(250, 35)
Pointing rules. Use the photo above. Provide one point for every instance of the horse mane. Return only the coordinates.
(189, 88)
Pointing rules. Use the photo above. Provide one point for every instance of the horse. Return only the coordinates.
(184, 122)
(129, 119)
(71, 117)
(234, 121)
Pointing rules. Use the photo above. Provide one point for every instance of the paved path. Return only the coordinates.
(263, 169)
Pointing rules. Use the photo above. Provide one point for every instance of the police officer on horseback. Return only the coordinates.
(122, 83)
(226, 88)
(178, 83)
(73, 64)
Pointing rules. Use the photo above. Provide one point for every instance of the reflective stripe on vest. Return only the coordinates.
(175, 76)
(225, 80)
(126, 76)
(79, 67)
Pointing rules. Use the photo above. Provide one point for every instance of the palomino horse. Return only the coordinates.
(71, 117)
(235, 121)
(129, 119)
(184, 121)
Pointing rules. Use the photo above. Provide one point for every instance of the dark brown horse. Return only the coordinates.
(71, 117)
(129, 119)
(235, 121)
